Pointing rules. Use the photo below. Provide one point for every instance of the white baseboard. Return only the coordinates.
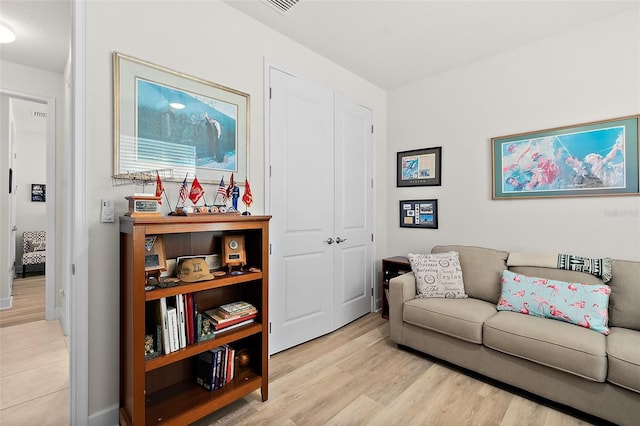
(106, 417)
(6, 302)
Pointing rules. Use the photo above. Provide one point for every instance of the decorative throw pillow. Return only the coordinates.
(438, 275)
(581, 304)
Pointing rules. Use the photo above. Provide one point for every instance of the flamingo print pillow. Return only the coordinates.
(581, 304)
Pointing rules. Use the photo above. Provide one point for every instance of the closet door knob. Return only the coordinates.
(329, 241)
(340, 240)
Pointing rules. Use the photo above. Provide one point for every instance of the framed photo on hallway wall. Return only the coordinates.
(180, 124)
(591, 159)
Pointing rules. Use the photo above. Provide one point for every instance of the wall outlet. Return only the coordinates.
(107, 211)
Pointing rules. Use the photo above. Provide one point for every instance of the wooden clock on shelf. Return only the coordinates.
(233, 251)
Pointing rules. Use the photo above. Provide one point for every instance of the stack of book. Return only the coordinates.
(232, 315)
(216, 367)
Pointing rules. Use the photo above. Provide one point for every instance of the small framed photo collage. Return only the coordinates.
(419, 214)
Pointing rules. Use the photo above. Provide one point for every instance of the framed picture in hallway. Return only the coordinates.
(591, 159)
(176, 123)
(419, 214)
(419, 167)
(39, 192)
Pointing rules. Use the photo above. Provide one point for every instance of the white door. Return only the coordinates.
(321, 203)
(301, 162)
(353, 204)
(12, 198)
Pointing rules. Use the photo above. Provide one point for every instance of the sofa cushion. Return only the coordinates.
(625, 295)
(437, 275)
(556, 344)
(481, 270)
(623, 349)
(601, 267)
(556, 274)
(460, 318)
(581, 304)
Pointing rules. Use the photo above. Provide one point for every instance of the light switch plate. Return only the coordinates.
(107, 211)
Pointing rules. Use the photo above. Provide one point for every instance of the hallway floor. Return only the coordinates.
(34, 374)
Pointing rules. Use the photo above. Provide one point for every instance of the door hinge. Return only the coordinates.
(269, 92)
(372, 129)
(371, 183)
(371, 237)
(371, 291)
(73, 269)
(270, 249)
(269, 327)
(269, 170)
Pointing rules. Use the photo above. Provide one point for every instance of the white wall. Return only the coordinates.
(39, 84)
(30, 168)
(585, 75)
(209, 40)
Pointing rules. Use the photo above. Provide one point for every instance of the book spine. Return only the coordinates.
(234, 322)
(173, 329)
(181, 321)
(229, 364)
(231, 327)
(165, 326)
(189, 313)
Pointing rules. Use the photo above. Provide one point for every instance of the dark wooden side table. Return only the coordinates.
(391, 268)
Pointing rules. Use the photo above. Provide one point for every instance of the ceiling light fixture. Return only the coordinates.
(176, 105)
(6, 35)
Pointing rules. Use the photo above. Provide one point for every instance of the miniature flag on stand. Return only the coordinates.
(230, 187)
(247, 198)
(196, 191)
(183, 191)
(159, 187)
(222, 191)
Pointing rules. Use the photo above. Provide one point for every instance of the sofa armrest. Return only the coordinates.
(401, 290)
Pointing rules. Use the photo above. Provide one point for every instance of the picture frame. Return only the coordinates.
(419, 167)
(419, 214)
(591, 159)
(181, 125)
(154, 257)
(38, 192)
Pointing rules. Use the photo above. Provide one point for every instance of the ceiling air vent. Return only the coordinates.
(282, 6)
(38, 114)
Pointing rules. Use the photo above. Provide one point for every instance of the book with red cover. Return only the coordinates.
(217, 318)
(231, 321)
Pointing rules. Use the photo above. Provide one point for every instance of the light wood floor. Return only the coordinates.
(34, 360)
(357, 376)
(34, 374)
(28, 302)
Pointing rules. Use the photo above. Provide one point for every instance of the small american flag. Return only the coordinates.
(183, 190)
(222, 190)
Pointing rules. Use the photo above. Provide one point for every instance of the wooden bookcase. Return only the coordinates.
(391, 268)
(163, 390)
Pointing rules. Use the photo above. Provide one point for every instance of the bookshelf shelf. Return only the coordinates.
(184, 401)
(164, 389)
(203, 285)
(197, 348)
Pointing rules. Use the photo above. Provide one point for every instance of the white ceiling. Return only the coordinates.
(395, 42)
(43, 33)
(387, 42)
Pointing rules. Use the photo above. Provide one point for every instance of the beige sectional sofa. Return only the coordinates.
(595, 373)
